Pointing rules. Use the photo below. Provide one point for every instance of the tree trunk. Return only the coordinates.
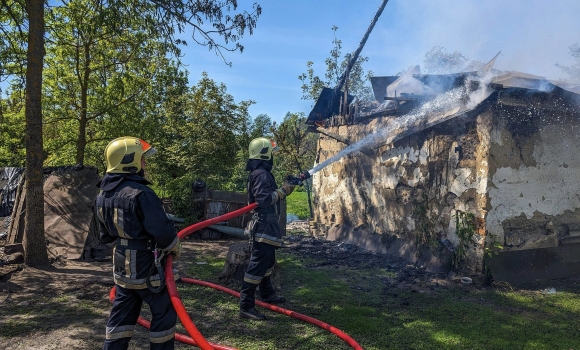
(236, 262)
(82, 140)
(34, 241)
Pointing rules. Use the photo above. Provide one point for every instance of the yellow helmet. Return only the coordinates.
(123, 154)
(262, 148)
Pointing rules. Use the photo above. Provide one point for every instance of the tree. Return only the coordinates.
(99, 72)
(358, 80)
(261, 127)
(166, 16)
(573, 70)
(12, 130)
(439, 61)
(201, 137)
(34, 241)
(297, 149)
(12, 42)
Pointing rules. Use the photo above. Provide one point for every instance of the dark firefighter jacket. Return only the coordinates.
(262, 190)
(131, 214)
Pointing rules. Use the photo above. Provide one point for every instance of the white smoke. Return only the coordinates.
(441, 104)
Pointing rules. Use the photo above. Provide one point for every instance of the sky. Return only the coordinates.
(532, 35)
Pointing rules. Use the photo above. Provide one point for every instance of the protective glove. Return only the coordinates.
(285, 190)
(176, 249)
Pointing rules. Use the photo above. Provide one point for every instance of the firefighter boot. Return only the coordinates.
(267, 292)
(247, 302)
(274, 299)
(252, 314)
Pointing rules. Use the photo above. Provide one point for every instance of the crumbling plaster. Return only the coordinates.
(534, 184)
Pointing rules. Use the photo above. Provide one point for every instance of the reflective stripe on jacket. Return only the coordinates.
(262, 190)
(131, 213)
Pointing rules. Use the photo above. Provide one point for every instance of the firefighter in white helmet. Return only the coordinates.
(131, 216)
(266, 237)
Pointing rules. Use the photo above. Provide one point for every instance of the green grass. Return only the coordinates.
(379, 315)
(297, 204)
(367, 304)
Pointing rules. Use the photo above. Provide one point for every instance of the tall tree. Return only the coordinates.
(439, 61)
(261, 126)
(99, 70)
(34, 242)
(201, 137)
(208, 20)
(336, 64)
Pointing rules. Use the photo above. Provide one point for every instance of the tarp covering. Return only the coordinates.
(9, 179)
(68, 199)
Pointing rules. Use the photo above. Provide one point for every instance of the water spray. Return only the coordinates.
(443, 107)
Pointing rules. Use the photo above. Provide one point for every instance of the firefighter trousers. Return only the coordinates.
(124, 314)
(258, 274)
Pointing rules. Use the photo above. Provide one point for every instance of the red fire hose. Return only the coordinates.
(283, 311)
(197, 338)
(196, 227)
(178, 336)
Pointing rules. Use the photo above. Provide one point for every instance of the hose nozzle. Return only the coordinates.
(298, 180)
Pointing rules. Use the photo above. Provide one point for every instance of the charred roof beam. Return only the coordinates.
(317, 129)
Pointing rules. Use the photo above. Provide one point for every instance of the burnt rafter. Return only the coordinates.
(330, 100)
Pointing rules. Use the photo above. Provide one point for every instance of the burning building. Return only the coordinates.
(458, 170)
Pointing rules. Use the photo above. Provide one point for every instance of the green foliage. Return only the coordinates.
(465, 228)
(493, 246)
(261, 126)
(202, 136)
(297, 146)
(12, 128)
(573, 70)
(358, 80)
(13, 38)
(106, 63)
(424, 234)
(297, 204)
(102, 68)
(297, 149)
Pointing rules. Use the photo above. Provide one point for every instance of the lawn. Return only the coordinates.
(366, 305)
(378, 307)
(297, 204)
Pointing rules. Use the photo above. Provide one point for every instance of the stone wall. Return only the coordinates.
(402, 198)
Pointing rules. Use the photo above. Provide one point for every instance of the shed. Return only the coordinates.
(448, 176)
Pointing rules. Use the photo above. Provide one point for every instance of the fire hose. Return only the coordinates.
(197, 338)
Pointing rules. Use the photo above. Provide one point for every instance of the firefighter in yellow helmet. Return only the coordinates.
(266, 236)
(131, 216)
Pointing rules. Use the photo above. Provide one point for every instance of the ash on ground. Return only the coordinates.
(333, 254)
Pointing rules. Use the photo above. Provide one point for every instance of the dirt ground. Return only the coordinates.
(79, 282)
(86, 284)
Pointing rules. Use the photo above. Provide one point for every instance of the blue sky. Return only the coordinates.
(532, 35)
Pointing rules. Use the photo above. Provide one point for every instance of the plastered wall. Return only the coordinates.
(534, 189)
